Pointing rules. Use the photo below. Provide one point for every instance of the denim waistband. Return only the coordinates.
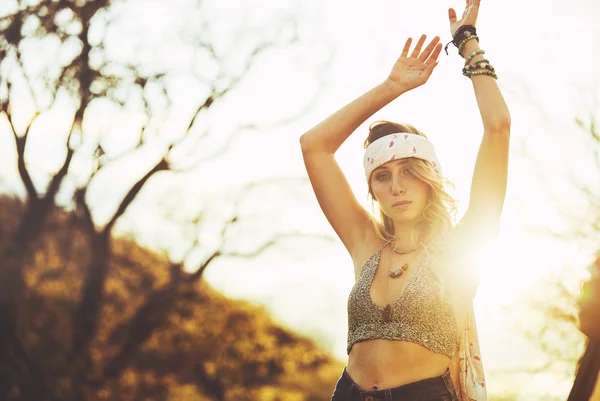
(422, 389)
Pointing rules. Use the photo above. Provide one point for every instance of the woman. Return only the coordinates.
(411, 330)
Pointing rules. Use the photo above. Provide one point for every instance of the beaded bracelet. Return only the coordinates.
(470, 56)
(462, 35)
(481, 72)
(483, 64)
(476, 68)
(484, 72)
(468, 73)
(464, 41)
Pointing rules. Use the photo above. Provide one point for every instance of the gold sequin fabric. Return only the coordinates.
(420, 315)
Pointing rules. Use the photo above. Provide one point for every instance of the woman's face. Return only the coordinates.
(393, 184)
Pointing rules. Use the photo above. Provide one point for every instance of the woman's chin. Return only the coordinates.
(406, 218)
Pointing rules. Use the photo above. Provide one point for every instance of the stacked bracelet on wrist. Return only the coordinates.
(479, 67)
(463, 35)
(470, 56)
(462, 44)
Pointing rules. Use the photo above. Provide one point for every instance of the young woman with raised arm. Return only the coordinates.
(411, 329)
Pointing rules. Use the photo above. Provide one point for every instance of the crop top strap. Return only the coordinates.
(377, 254)
(382, 246)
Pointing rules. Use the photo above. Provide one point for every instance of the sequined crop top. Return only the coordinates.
(420, 315)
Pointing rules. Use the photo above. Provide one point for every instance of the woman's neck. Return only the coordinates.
(404, 241)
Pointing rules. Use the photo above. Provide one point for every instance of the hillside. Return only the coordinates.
(159, 335)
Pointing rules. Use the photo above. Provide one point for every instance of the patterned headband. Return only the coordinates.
(399, 146)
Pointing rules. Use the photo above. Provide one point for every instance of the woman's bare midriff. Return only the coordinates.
(381, 364)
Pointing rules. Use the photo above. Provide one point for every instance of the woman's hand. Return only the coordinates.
(469, 16)
(413, 71)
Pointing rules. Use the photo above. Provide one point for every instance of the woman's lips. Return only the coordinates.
(401, 203)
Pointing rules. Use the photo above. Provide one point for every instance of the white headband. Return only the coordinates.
(398, 146)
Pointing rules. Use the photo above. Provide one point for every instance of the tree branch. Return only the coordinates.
(86, 315)
(197, 275)
(83, 211)
(131, 334)
(163, 165)
(57, 179)
(20, 142)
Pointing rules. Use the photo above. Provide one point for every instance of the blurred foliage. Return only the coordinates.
(84, 315)
(203, 346)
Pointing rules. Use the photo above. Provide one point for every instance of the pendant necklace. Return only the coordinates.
(402, 252)
(387, 310)
(403, 268)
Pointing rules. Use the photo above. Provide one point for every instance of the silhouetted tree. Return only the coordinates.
(84, 316)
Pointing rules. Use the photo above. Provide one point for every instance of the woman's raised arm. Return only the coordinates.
(488, 186)
(349, 220)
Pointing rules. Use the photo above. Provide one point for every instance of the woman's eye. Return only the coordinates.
(382, 177)
(406, 171)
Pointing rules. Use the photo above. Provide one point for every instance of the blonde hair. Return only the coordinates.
(432, 232)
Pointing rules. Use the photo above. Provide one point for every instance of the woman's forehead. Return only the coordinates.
(391, 163)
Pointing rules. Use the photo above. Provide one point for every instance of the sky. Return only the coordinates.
(546, 57)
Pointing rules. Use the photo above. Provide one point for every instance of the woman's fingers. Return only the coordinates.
(429, 55)
(427, 52)
(429, 69)
(417, 49)
(406, 48)
(436, 53)
(452, 15)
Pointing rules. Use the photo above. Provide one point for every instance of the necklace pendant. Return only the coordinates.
(387, 313)
(402, 252)
(395, 273)
(398, 272)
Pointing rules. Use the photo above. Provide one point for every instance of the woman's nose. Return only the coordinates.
(397, 188)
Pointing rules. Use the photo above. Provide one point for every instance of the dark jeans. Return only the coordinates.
(438, 388)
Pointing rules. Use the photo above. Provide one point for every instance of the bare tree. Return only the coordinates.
(84, 74)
